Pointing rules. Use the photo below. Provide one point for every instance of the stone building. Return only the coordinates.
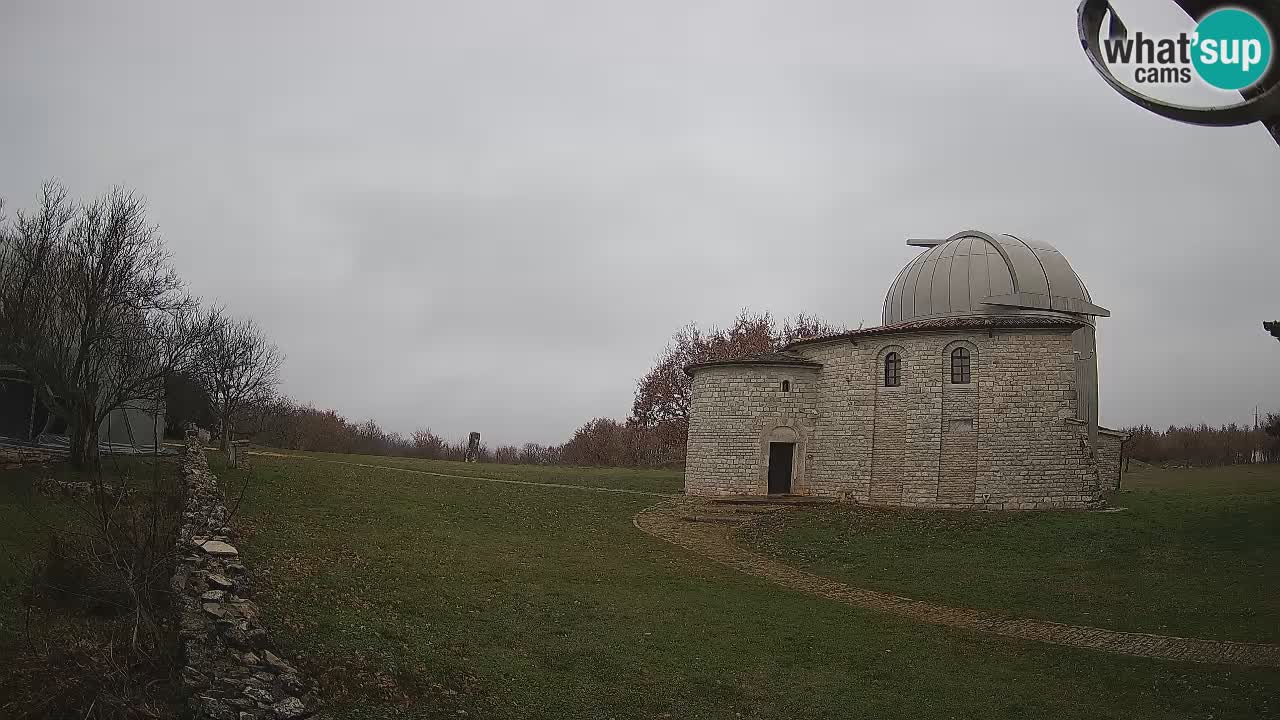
(980, 390)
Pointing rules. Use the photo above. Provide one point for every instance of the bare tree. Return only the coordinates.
(92, 309)
(239, 368)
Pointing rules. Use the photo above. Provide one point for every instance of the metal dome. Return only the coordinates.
(973, 273)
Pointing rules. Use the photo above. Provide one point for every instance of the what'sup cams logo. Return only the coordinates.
(1230, 49)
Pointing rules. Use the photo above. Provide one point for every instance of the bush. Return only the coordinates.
(73, 575)
(95, 643)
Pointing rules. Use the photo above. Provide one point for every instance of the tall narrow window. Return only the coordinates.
(892, 370)
(960, 366)
(786, 386)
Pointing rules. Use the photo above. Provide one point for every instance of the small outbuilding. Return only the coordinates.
(980, 390)
(136, 426)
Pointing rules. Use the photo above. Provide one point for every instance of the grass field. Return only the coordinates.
(414, 595)
(1196, 552)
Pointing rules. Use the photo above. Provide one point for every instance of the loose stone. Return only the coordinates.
(219, 548)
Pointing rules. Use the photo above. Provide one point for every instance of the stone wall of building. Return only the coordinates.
(228, 666)
(1110, 457)
(733, 412)
(1001, 442)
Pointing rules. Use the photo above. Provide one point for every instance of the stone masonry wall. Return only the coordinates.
(732, 411)
(228, 665)
(1109, 458)
(1001, 442)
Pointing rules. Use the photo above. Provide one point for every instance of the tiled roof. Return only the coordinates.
(956, 323)
(764, 358)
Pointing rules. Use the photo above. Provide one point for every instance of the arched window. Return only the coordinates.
(786, 386)
(960, 366)
(892, 370)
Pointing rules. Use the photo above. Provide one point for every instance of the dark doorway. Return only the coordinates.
(16, 399)
(780, 467)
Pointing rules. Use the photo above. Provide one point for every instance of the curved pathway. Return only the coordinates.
(679, 522)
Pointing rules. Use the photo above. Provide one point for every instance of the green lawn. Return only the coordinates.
(658, 481)
(419, 596)
(1194, 553)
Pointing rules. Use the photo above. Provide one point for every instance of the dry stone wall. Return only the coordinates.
(15, 457)
(229, 667)
(1003, 441)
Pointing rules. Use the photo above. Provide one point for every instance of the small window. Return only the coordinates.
(892, 370)
(960, 366)
(786, 386)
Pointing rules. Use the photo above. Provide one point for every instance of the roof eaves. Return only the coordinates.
(961, 323)
(762, 359)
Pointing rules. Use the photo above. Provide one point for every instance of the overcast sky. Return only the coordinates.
(492, 215)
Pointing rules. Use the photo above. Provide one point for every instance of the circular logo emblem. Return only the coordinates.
(1232, 49)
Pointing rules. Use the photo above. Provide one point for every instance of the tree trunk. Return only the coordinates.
(222, 436)
(83, 432)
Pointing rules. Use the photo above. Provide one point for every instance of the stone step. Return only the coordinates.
(770, 500)
(758, 509)
(713, 518)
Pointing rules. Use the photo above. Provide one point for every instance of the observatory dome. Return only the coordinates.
(974, 273)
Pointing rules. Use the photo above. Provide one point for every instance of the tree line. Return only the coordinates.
(286, 424)
(656, 431)
(654, 435)
(1204, 446)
